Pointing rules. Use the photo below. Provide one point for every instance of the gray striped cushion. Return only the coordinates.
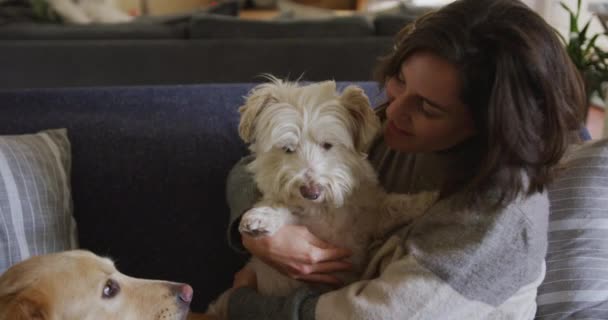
(576, 284)
(35, 199)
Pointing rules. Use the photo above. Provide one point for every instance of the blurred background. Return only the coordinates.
(67, 43)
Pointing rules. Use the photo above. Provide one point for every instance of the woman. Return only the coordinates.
(482, 103)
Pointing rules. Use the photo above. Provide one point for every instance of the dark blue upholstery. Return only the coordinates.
(148, 173)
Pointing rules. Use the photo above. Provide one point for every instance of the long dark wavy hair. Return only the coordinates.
(524, 93)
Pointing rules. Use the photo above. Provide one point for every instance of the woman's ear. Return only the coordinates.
(365, 122)
(28, 305)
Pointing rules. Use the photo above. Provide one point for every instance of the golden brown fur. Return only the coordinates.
(71, 285)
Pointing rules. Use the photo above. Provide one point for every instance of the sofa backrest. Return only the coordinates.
(203, 48)
(148, 174)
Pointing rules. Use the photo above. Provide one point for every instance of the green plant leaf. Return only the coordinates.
(583, 34)
(591, 45)
(590, 59)
(573, 19)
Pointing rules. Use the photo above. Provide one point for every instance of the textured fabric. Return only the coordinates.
(217, 27)
(295, 306)
(576, 285)
(450, 263)
(149, 173)
(35, 199)
(241, 193)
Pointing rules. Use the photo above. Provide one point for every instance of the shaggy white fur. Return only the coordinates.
(310, 165)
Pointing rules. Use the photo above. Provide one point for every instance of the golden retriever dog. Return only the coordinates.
(78, 285)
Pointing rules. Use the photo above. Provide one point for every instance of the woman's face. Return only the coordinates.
(425, 113)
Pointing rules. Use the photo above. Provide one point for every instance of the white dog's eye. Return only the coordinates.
(327, 145)
(288, 149)
(111, 289)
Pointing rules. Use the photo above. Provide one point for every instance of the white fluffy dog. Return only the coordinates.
(89, 11)
(310, 165)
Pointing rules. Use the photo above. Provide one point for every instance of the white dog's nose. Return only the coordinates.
(311, 191)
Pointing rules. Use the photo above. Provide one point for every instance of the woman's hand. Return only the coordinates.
(299, 254)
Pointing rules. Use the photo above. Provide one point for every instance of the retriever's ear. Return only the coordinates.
(28, 305)
(365, 122)
(260, 97)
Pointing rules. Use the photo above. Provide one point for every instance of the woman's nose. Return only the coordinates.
(393, 88)
(400, 109)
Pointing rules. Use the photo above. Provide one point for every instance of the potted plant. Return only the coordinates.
(590, 59)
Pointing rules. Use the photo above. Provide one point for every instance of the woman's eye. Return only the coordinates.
(288, 150)
(427, 110)
(110, 290)
(327, 145)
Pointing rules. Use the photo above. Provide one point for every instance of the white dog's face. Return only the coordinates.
(309, 141)
(78, 285)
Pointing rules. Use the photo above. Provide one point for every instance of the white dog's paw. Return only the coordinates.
(260, 221)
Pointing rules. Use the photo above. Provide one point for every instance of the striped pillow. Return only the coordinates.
(35, 198)
(576, 284)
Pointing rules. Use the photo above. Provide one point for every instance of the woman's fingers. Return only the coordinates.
(318, 250)
(332, 266)
(296, 252)
(320, 278)
(323, 267)
(317, 255)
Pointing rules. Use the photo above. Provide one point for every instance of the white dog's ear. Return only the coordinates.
(259, 98)
(366, 123)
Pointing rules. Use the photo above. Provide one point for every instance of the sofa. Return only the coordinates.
(191, 49)
(147, 181)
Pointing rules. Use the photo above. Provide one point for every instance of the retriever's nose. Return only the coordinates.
(311, 191)
(185, 293)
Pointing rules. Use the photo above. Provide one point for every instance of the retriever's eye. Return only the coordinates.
(111, 289)
(288, 149)
(327, 145)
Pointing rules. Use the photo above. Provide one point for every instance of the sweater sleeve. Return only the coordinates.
(241, 194)
(461, 265)
(248, 304)
(469, 263)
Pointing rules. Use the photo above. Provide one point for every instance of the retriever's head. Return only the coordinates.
(77, 285)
